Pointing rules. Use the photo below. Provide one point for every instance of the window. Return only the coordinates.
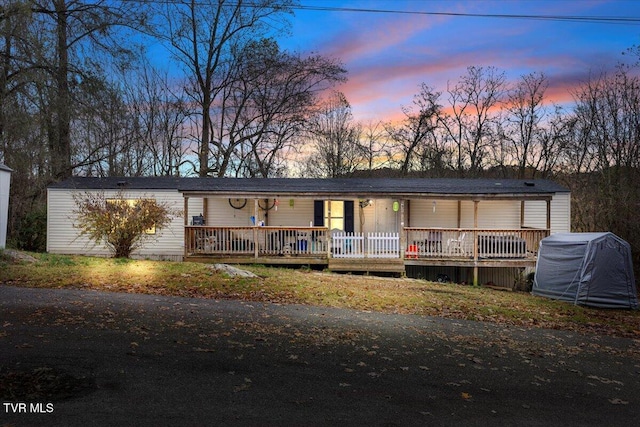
(341, 214)
(337, 214)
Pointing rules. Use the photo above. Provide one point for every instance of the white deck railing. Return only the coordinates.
(347, 245)
(471, 243)
(299, 241)
(355, 245)
(318, 242)
(260, 241)
(383, 245)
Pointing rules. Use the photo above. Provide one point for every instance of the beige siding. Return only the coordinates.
(422, 213)
(292, 212)
(444, 213)
(289, 212)
(222, 214)
(499, 214)
(365, 218)
(536, 213)
(194, 208)
(63, 237)
(492, 214)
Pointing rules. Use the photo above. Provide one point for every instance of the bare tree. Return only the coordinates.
(204, 36)
(415, 138)
(604, 157)
(471, 125)
(554, 139)
(267, 105)
(524, 121)
(375, 145)
(76, 28)
(159, 117)
(334, 139)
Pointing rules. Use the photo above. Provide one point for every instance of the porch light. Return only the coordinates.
(365, 203)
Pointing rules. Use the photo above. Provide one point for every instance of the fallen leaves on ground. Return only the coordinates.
(288, 286)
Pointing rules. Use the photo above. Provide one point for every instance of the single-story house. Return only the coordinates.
(473, 230)
(5, 183)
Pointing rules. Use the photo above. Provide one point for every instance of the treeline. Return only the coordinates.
(82, 93)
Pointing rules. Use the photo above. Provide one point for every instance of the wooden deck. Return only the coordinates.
(357, 252)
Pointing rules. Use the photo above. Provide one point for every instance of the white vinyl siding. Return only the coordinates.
(289, 212)
(422, 213)
(221, 213)
(292, 212)
(365, 218)
(492, 214)
(535, 215)
(64, 238)
(194, 208)
(500, 214)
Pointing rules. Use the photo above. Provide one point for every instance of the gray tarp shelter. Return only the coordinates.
(590, 269)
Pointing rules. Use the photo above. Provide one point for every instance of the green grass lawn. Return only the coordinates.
(302, 286)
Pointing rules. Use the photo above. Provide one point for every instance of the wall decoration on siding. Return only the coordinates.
(237, 203)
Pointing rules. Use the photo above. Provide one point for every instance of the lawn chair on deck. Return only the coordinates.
(455, 246)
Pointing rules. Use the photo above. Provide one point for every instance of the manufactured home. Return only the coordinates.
(472, 230)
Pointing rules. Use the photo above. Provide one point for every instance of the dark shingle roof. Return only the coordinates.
(343, 187)
(115, 183)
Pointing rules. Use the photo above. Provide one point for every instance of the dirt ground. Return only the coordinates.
(77, 358)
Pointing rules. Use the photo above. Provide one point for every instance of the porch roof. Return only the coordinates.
(331, 188)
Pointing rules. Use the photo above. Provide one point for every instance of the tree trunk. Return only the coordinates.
(61, 141)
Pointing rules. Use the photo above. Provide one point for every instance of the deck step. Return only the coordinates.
(393, 265)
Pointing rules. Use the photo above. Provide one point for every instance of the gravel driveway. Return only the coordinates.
(78, 358)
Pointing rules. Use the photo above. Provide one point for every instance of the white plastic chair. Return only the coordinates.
(456, 246)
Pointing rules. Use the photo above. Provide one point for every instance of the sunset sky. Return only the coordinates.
(388, 55)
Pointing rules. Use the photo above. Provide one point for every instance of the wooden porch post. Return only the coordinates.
(459, 213)
(521, 213)
(475, 242)
(549, 214)
(402, 236)
(186, 239)
(255, 228)
(186, 211)
(205, 209)
(329, 236)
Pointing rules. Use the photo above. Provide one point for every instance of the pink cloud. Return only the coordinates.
(389, 56)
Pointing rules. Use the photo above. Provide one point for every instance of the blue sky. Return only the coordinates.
(389, 55)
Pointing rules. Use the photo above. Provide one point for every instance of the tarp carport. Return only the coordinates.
(591, 269)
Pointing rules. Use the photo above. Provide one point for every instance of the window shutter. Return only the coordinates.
(318, 213)
(349, 225)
